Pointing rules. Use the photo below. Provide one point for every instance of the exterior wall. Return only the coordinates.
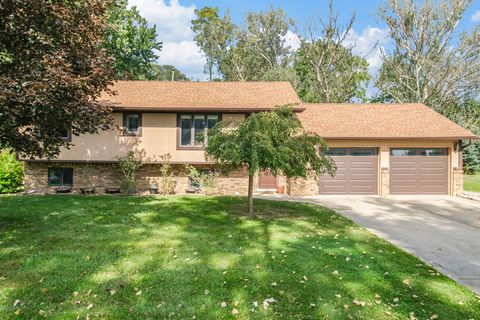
(310, 186)
(102, 175)
(457, 181)
(159, 136)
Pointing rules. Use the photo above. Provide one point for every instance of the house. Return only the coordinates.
(378, 148)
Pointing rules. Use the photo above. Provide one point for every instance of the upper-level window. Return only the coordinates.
(132, 123)
(193, 128)
(66, 135)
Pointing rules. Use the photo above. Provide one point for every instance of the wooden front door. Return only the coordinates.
(267, 181)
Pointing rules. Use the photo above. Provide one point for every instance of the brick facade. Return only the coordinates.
(108, 175)
(384, 182)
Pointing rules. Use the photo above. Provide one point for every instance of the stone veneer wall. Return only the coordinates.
(104, 175)
(303, 187)
(457, 181)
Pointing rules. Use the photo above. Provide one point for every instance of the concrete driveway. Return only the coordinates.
(442, 231)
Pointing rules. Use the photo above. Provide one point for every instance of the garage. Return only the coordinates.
(419, 171)
(357, 172)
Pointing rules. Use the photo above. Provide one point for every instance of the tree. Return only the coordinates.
(52, 71)
(212, 34)
(248, 53)
(132, 42)
(273, 141)
(167, 72)
(327, 69)
(428, 63)
(471, 158)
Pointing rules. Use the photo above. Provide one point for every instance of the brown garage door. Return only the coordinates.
(356, 172)
(419, 171)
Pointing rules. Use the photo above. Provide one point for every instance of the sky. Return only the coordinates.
(173, 20)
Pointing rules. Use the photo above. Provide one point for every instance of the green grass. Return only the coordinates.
(472, 183)
(181, 257)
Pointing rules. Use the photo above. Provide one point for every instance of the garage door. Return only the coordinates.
(418, 171)
(356, 172)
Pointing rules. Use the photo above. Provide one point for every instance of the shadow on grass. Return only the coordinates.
(179, 257)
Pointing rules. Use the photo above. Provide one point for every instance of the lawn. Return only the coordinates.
(472, 183)
(63, 257)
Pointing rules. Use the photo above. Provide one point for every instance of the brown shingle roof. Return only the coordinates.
(216, 96)
(379, 121)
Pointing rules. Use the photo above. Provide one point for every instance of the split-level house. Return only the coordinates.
(379, 149)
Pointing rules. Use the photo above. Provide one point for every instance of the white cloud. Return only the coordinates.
(185, 56)
(173, 22)
(369, 45)
(476, 16)
(292, 40)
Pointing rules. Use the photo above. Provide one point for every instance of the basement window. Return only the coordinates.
(60, 177)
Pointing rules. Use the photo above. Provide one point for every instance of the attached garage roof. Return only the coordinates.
(380, 121)
(205, 96)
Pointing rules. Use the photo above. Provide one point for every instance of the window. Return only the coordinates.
(60, 177)
(433, 152)
(336, 152)
(132, 123)
(193, 128)
(66, 135)
(362, 152)
(402, 152)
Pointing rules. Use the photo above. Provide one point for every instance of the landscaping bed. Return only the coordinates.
(63, 257)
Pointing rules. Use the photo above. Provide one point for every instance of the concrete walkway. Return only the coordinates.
(442, 231)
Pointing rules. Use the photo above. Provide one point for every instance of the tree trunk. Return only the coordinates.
(250, 195)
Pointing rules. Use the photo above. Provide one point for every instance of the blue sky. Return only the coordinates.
(172, 18)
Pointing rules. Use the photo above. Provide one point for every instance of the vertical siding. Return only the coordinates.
(159, 136)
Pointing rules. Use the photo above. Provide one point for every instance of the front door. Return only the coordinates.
(267, 181)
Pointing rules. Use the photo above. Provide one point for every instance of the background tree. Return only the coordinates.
(167, 72)
(132, 42)
(272, 141)
(429, 62)
(256, 51)
(212, 34)
(326, 67)
(52, 70)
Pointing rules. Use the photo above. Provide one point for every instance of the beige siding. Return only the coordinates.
(159, 136)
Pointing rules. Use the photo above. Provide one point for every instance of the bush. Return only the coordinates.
(471, 158)
(129, 164)
(11, 172)
(167, 182)
(206, 179)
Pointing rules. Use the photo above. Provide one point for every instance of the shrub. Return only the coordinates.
(11, 172)
(129, 164)
(167, 182)
(207, 179)
(471, 158)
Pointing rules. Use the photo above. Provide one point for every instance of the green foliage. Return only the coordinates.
(129, 164)
(330, 73)
(206, 179)
(52, 71)
(471, 158)
(167, 73)
(167, 182)
(244, 53)
(131, 42)
(11, 172)
(273, 141)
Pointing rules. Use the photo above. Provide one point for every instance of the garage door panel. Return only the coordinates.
(355, 175)
(419, 174)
